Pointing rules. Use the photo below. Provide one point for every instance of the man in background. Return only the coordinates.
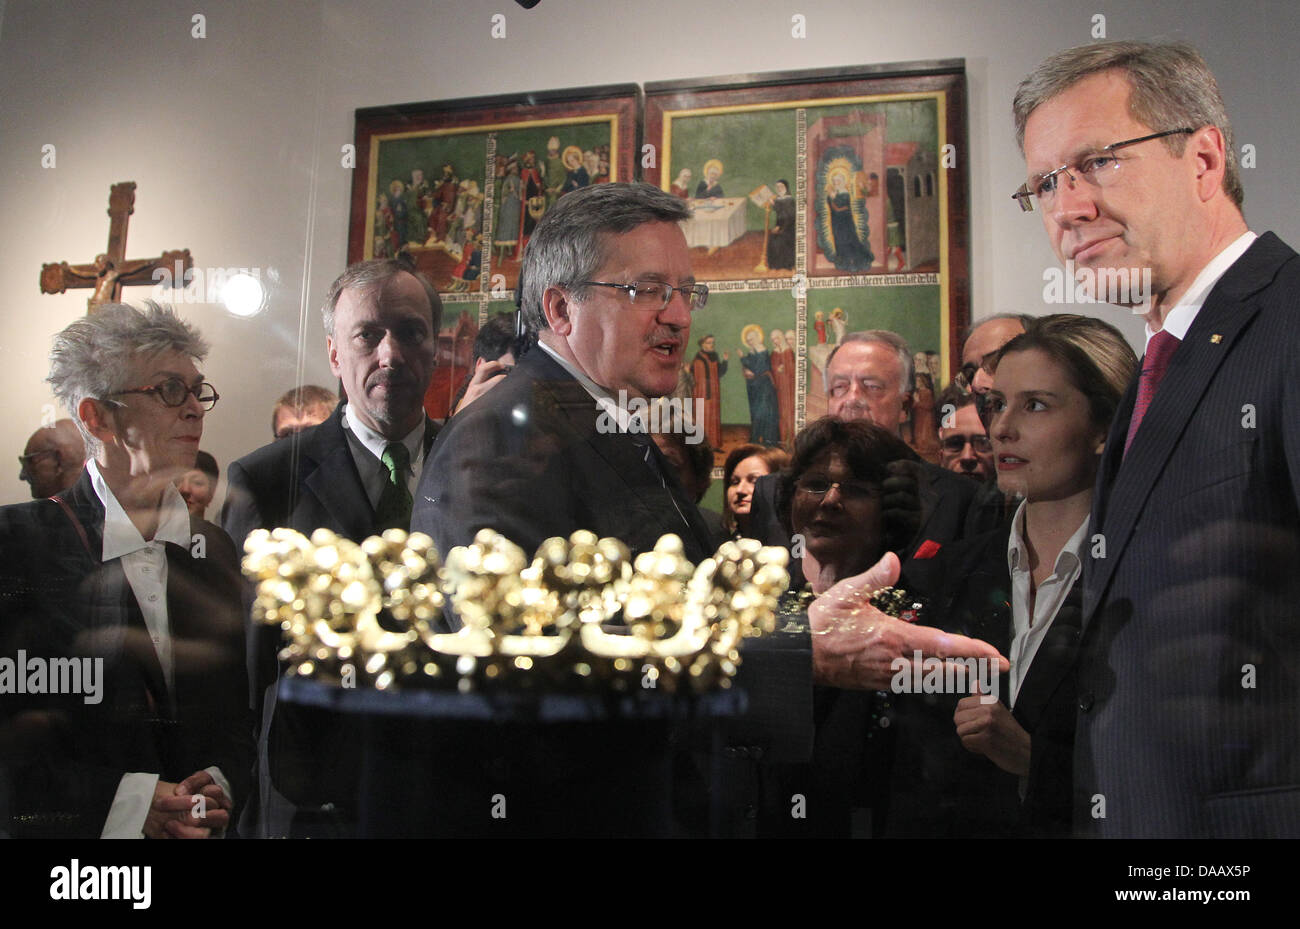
(53, 458)
(301, 407)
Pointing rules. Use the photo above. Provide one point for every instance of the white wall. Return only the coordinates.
(234, 138)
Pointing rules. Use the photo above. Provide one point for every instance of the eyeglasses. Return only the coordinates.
(174, 392)
(957, 443)
(820, 487)
(24, 460)
(657, 294)
(1097, 168)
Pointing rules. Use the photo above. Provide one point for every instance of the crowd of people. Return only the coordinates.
(1101, 551)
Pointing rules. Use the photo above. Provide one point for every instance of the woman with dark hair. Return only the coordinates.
(1003, 766)
(831, 501)
(830, 498)
(745, 465)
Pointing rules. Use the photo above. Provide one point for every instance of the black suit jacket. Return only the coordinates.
(61, 600)
(1189, 677)
(304, 482)
(938, 787)
(530, 460)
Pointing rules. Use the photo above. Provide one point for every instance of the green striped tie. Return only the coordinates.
(394, 511)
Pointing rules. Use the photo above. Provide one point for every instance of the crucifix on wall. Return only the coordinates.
(110, 271)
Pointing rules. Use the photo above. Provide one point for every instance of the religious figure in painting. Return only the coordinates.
(707, 371)
(575, 175)
(783, 375)
(444, 204)
(780, 242)
(709, 188)
(417, 204)
(764, 418)
(849, 249)
(682, 186)
(553, 171)
(839, 324)
(534, 200)
(507, 227)
(386, 244)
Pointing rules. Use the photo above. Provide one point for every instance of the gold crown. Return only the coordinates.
(582, 615)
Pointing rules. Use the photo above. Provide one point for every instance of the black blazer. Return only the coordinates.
(938, 787)
(1189, 677)
(303, 482)
(530, 460)
(61, 600)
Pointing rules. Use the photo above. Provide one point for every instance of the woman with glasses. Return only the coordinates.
(116, 577)
(831, 499)
(968, 764)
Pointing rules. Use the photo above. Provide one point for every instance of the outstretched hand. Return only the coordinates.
(855, 646)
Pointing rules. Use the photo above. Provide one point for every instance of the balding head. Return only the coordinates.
(53, 458)
(987, 337)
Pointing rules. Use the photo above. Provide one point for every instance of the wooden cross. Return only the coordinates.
(111, 270)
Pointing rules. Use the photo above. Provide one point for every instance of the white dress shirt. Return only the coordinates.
(1179, 319)
(367, 447)
(1029, 631)
(145, 566)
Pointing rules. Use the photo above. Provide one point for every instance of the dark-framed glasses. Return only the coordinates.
(957, 444)
(1098, 168)
(817, 486)
(174, 392)
(657, 295)
(25, 460)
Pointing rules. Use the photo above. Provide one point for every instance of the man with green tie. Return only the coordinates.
(353, 474)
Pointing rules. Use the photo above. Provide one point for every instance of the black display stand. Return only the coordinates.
(510, 764)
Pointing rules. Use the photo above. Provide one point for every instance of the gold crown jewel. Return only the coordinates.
(581, 615)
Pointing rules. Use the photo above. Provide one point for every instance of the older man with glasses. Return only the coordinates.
(115, 579)
(52, 459)
(608, 290)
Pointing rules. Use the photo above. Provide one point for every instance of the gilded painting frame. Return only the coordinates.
(825, 202)
(459, 184)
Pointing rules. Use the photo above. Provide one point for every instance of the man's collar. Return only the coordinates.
(121, 537)
(376, 443)
(1179, 319)
(628, 421)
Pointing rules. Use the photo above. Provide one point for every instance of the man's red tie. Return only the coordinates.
(1154, 364)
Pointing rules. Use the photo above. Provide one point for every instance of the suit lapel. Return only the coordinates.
(621, 453)
(1052, 662)
(330, 476)
(1191, 371)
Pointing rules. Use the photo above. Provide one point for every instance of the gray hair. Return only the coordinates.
(92, 357)
(376, 273)
(1172, 87)
(884, 337)
(572, 240)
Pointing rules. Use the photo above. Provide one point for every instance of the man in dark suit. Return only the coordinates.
(609, 289)
(115, 576)
(353, 474)
(555, 447)
(1189, 675)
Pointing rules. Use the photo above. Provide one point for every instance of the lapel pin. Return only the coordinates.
(1216, 339)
